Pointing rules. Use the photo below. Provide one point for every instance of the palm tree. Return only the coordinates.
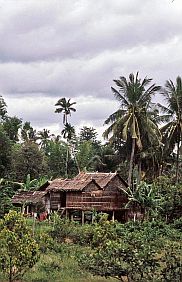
(28, 133)
(68, 132)
(44, 136)
(65, 106)
(172, 131)
(133, 121)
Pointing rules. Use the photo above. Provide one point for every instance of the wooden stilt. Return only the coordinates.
(92, 218)
(83, 217)
(71, 217)
(66, 214)
(113, 216)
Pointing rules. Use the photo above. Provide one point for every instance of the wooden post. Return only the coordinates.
(83, 219)
(71, 217)
(66, 214)
(33, 227)
(134, 217)
(113, 216)
(27, 209)
(92, 217)
(50, 201)
(126, 215)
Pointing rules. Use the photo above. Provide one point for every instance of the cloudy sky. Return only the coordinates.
(75, 48)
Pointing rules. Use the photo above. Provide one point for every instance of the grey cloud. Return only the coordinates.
(76, 77)
(75, 48)
(42, 110)
(64, 29)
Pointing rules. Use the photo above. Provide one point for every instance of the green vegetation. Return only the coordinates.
(135, 251)
(143, 139)
(134, 122)
(18, 250)
(144, 144)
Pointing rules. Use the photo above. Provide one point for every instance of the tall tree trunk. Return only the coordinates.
(139, 172)
(131, 162)
(76, 161)
(66, 165)
(177, 163)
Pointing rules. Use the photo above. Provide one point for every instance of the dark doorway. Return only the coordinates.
(63, 199)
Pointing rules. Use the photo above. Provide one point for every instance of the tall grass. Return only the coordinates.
(59, 267)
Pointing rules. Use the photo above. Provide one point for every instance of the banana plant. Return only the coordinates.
(146, 197)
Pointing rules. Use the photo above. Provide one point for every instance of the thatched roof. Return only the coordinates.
(79, 183)
(82, 180)
(101, 178)
(70, 184)
(28, 197)
(44, 186)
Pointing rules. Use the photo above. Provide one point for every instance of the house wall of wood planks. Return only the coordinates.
(111, 198)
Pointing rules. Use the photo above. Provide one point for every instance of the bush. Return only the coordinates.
(68, 231)
(18, 250)
(148, 251)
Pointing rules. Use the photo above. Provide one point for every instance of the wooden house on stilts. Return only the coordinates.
(87, 192)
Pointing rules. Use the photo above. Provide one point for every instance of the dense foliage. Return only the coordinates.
(136, 144)
(148, 251)
(18, 250)
(148, 155)
(135, 251)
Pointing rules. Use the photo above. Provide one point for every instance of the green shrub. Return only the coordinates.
(148, 251)
(18, 250)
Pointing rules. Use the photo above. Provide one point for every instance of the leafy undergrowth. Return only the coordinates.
(148, 251)
(54, 267)
(59, 266)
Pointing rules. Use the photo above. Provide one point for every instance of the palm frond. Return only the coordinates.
(138, 140)
(125, 127)
(115, 116)
(72, 109)
(146, 81)
(119, 97)
(164, 109)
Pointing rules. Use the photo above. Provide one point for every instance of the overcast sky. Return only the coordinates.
(66, 48)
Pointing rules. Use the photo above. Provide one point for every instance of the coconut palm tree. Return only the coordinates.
(44, 136)
(133, 121)
(65, 107)
(172, 131)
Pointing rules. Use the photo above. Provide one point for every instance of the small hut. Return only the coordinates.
(100, 192)
(30, 201)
